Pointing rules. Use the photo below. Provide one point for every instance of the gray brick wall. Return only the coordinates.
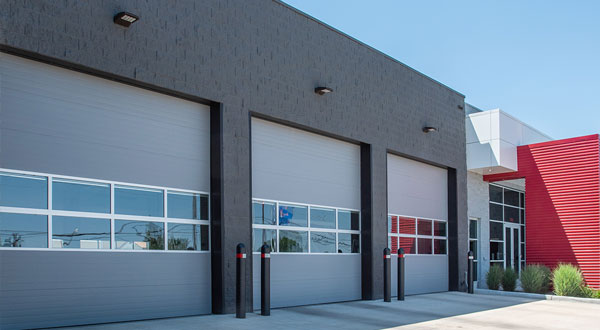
(259, 56)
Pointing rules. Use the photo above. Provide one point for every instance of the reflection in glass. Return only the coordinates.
(439, 246)
(473, 247)
(18, 190)
(293, 241)
(290, 215)
(472, 228)
(264, 213)
(511, 214)
(139, 235)
(424, 227)
(138, 201)
(439, 228)
(424, 245)
(407, 225)
(393, 244)
(511, 197)
(322, 242)
(80, 233)
(348, 220)
(187, 237)
(409, 245)
(322, 218)
(264, 236)
(350, 243)
(496, 230)
(23, 230)
(183, 205)
(70, 195)
(495, 212)
(496, 251)
(495, 194)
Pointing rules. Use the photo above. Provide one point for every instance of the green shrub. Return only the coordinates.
(568, 281)
(509, 280)
(494, 277)
(535, 278)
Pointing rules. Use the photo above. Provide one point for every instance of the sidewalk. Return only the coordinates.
(448, 310)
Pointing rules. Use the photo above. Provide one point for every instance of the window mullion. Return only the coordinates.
(49, 178)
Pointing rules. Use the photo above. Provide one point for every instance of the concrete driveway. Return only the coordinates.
(448, 310)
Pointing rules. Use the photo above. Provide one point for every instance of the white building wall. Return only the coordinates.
(478, 208)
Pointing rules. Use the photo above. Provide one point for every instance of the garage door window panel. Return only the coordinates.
(187, 237)
(291, 215)
(303, 228)
(80, 233)
(322, 242)
(23, 230)
(322, 218)
(348, 243)
(183, 205)
(293, 241)
(261, 236)
(81, 196)
(407, 225)
(25, 191)
(348, 220)
(418, 236)
(424, 227)
(139, 201)
(409, 244)
(264, 213)
(139, 235)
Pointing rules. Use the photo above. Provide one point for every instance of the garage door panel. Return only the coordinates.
(310, 279)
(424, 274)
(121, 286)
(292, 165)
(59, 121)
(417, 189)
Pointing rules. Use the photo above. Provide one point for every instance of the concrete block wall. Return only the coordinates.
(264, 58)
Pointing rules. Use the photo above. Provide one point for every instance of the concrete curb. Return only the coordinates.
(536, 296)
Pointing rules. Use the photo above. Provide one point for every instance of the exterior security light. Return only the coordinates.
(428, 129)
(125, 19)
(323, 90)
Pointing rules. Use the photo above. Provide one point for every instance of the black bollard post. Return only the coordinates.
(265, 280)
(387, 274)
(240, 288)
(400, 274)
(470, 272)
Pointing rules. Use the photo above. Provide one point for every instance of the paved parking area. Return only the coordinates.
(448, 310)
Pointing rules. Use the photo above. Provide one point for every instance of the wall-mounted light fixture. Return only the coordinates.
(428, 129)
(323, 90)
(125, 19)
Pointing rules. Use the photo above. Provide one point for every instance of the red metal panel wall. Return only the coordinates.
(562, 185)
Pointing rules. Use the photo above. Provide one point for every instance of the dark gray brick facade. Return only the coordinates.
(261, 57)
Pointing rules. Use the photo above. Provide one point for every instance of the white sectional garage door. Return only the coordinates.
(306, 190)
(417, 222)
(55, 121)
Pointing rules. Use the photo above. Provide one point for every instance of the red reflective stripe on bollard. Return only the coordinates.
(401, 256)
(265, 255)
(387, 256)
(241, 256)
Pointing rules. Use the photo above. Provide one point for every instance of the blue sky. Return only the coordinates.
(537, 60)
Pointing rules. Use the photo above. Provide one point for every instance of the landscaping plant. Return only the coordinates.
(568, 281)
(535, 278)
(494, 277)
(509, 279)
